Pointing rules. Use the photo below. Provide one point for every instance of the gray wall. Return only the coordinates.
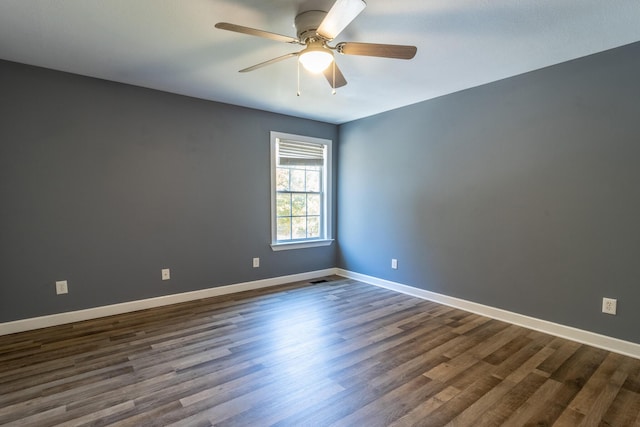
(523, 194)
(104, 184)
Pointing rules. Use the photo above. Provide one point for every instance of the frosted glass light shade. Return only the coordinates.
(315, 59)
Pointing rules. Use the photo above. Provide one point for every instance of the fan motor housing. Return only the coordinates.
(307, 24)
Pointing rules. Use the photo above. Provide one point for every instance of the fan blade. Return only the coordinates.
(339, 78)
(339, 16)
(269, 62)
(374, 49)
(253, 32)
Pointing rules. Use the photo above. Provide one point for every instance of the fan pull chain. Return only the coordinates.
(298, 92)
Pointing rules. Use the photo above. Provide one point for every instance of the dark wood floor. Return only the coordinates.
(338, 353)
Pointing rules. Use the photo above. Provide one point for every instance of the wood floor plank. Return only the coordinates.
(397, 403)
(510, 384)
(510, 401)
(337, 353)
(466, 398)
(624, 410)
(588, 394)
(535, 406)
(419, 415)
(603, 402)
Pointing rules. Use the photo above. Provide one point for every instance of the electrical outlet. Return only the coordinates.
(61, 287)
(256, 262)
(609, 305)
(166, 274)
(394, 264)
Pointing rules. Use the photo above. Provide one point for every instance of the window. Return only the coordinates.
(300, 191)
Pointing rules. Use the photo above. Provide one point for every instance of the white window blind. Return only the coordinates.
(296, 153)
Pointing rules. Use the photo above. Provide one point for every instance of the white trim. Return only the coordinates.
(615, 345)
(127, 307)
(301, 245)
(327, 191)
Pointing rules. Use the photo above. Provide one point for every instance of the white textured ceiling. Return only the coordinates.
(172, 45)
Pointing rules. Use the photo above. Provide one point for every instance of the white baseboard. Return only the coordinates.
(615, 345)
(126, 307)
(590, 338)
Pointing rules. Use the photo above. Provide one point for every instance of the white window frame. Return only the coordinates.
(325, 238)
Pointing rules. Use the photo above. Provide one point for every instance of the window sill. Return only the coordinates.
(300, 245)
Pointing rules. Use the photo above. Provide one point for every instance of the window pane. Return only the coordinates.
(282, 179)
(299, 228)
(283, 204)
(313, 226)
(284, 228)
(313, 180)
(298, 204)
(313, 204)
(300, 190)
(297, 179)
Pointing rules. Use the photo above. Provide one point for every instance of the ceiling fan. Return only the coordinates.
(315, 29)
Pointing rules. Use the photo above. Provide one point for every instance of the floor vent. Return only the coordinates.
(319, 281)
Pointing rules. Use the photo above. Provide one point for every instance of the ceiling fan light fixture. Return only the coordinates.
(316, 59)
(316, 28)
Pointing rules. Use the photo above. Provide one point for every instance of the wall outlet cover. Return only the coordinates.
(609, 305)
(166, 274)
(61, 287)
(256, 262)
